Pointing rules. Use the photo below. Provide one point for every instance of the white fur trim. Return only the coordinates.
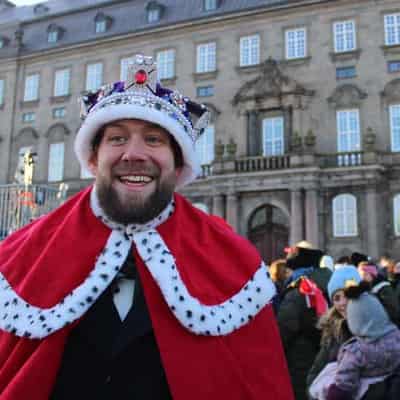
(98, 118)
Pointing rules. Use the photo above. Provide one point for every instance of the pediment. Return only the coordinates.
(348, 95)
(392, 90)
(270, 83)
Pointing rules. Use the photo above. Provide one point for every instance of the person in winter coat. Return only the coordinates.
(381, 288)
(393, 274)
(333, 323)
(372, 354)
(298, 314)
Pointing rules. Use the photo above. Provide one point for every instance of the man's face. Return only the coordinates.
(135, 170)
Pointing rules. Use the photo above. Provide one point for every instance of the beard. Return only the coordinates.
(137, 209)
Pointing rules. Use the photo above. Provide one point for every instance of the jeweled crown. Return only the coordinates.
(142, 88)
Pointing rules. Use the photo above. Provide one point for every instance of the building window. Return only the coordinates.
(94, 76)
(153, 14)
(101, 26)
(273, 136)
(394, 66)
(210, 5)
(166, 64)
(52, 36)
(345, 72)
(2, 43)
(59, 112)
(249, 50)
(344, 34)
(56, 162)
(295, 40)
(206, 57)
(348, 130)
(205, 146)
(394, 113)
(344, 209)
(31, 92)
(396, 214)
(125, 63)
(1, 92)
(205, 91)
(61, 82)
(392, 29)
(28, 117)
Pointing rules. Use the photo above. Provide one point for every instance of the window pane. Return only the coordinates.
(396, 214)
(56, 162)
(94, 76)
(394, 112)
(296, 43)
(125, 62)
(344, 215)
(166, 64)
(249, 50)
(273, 136)
(205, 146)
(344, 36)
(31, 87)
(61, 84)
(1, 92)
(348, 130)
(101, 26)
(206, 54)
(392, 29)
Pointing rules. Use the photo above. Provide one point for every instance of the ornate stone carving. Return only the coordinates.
(348, 95)
(391, 92)
(271, 83)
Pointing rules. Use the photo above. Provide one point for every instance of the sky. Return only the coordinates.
(27, 2)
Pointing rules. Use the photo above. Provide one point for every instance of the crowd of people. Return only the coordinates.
(339, 324)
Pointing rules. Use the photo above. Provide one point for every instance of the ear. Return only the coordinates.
(93, 163)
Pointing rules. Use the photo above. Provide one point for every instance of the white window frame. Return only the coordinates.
(348, 130)
(59, 112)
(31, 90)
(166, 64)
(344, 216)
(124, 65)
(394, 116)
(2, 88)
(205, 146)
(94, 76)
(153, 15)
(206, 57)
(396, 214)
(273, 136)
(296, 43)
(100, 25)
(53, 36)
(249, 50)
(62, 79)
(344, 34)
(392, 29)
(29, 117)
(56, 162)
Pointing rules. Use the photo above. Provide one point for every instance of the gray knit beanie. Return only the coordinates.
(367, 318)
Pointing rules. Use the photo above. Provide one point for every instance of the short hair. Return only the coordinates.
(176, 149)
(277, 270)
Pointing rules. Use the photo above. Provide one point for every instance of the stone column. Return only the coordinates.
(296, 216)
(253, 134)
(218, 205)
(373, 231)
(41, 166)
(232, 210)
(312, 223)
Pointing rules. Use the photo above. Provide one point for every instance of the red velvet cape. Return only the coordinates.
(46, 260)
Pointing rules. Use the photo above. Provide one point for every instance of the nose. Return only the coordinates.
(134, 150)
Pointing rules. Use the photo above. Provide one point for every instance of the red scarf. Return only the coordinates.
(46, 260)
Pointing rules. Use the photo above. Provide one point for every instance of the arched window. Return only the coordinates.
(396, 214)
(344, 213)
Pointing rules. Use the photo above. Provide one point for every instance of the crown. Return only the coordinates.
(142, 89)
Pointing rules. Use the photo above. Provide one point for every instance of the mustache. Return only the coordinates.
(136, 167)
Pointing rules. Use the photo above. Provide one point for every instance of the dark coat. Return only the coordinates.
(300, 337)
(387, 296)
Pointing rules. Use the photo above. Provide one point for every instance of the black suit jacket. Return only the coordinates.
(107, 359)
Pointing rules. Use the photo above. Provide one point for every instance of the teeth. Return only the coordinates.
(136, 178)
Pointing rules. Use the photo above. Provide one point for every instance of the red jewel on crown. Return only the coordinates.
(140, 77)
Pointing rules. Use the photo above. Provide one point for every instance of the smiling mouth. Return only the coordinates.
(136, 179)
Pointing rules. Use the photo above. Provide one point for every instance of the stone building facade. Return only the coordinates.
(305, 96)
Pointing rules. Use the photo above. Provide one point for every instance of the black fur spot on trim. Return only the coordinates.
(258, 290)
(89, 299)
(42, 318)
(181, 298)
(189, 314)
(203, 318)
(118, 244)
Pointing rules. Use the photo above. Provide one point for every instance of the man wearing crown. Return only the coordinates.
(127, 291)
